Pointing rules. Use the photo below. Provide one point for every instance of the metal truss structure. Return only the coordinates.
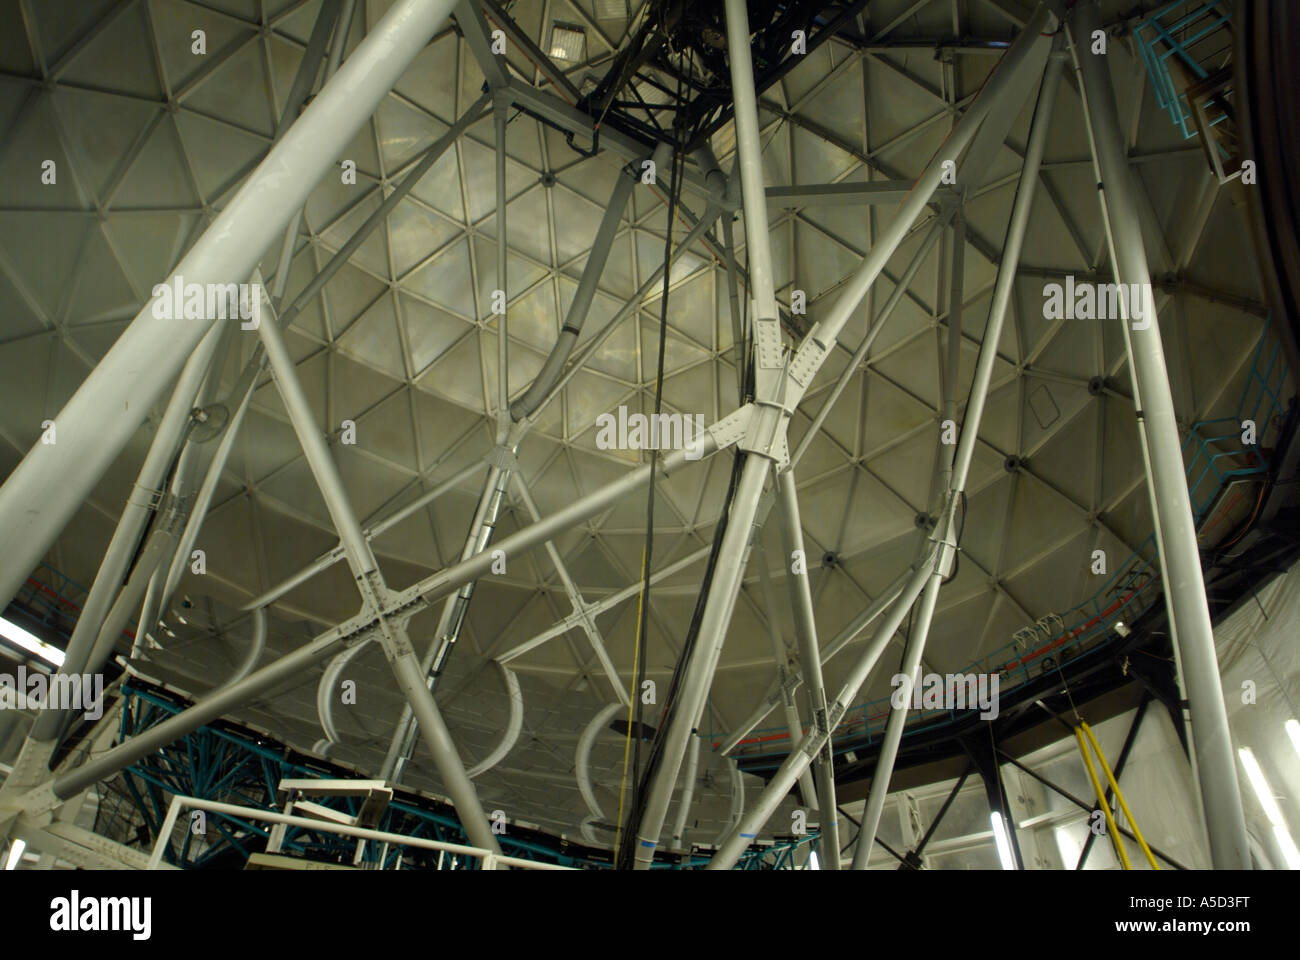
(720, 60)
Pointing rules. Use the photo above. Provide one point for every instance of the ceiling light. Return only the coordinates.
(568, 42)
(611, 9)
(15, 854)
(1004, 845)
(813, 862)
(1271, 809)
(1262, 791)
(1122, 628)
(1292, 729)
(30, 642)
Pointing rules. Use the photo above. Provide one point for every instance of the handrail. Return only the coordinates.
(489, 859)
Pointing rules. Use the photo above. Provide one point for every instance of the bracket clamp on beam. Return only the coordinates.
(765, 433)
(503, 458)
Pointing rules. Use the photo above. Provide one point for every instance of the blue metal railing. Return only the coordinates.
(1172, 32)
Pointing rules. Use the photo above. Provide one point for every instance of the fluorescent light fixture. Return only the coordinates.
(1271, 809)
(567, 42)
(1004, 845)
(15, 854)
(30, 642)
(610, 9)
(813, 862)
(1289, 853)
(1292, 729)
(1262, 791)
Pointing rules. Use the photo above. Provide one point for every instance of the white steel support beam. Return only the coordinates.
(805, 627)
(1029, 48)
(41, 495)
(374, 592)
(1183, 583)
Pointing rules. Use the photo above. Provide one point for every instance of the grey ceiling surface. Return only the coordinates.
(402, 341)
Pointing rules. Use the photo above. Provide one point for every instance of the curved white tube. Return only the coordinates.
(255, 649)
(513, 726)
(582, 758)
(325, 690)
(737, 798)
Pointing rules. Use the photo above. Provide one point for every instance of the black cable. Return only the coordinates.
(674, 189)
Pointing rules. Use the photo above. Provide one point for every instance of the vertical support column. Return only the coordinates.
(897, 718)
(783, 661)
(698, 674)
(805, 628)
(703, 657)
(936, 560)
(500, 108)
(1183, 583)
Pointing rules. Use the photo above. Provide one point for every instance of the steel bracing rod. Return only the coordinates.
(688, 790)
(955, 469)
(501, 107)
(697, 675)
(842, 639)
(781, 657)
(583, 296)
(580, 607)
(749, 161)
(43, 492)
(600, 606)
(628, 308)
(330, 15)
(242, 393)
(339, 42)
(143, 500)
(1001, 82)
(805, 628)
(190, 466)
(936, 558)
(1088, 807)
(351, 632)
(802, 755)
(450, 622)
(431, 156)
(847, 374)
(943, 810)
(548, 68)
(911, 669)
(327, 560)
(374, 593)
(1183, 583)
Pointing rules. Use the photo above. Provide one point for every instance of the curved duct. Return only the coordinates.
(328, 681)
(533, 398)
(513, 726)
(582, 758)
(737, 799)
(255, 648)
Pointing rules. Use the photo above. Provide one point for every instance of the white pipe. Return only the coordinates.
(514, 725)
(582, 758)
(53, 480)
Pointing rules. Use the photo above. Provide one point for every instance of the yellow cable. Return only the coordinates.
(1119, 795)
(1115, 838)
(631, 705)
